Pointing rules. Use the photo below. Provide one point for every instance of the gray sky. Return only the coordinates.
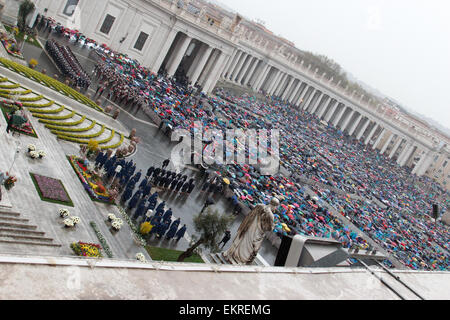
(400, 47)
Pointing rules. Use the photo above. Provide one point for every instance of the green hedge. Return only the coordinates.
(51, 117)
(63, 128)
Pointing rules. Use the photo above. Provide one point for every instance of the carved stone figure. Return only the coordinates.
(250, 234)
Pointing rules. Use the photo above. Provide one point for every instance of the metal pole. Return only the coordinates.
(398, 279)
(381, 279)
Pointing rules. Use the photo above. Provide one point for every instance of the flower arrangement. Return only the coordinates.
(140, 256)
(9, 183)
(145, 228)
(102, 240)
(117, 223)
(140, 240)
(64, 213)
(33, 63)
(34, 154)
(68, 223)
(86, 249)
(76, 220)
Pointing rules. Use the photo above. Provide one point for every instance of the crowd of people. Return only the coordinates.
(395, 206)
(143, 201)
(68, 64)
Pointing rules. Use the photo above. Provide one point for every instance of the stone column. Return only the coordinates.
(404, 155)
(363, 129)
(426, 164)
(331, 112)
(260, 79)
(214, 74)
(396, 145)
(201, 64)
(302, 95)
(295, 92)
(280, 84)
(230, 61)
(274, 81)
(377, 142)
(179, 55)
(316, 105)
(245, 68)
(339, 116)
(233, 65)
(324, 107)
(198, 57)
(311, 96)
(164, 50)
(386, 144)
(355, 125)
(372, 132)
(251, 72)
(239, 67)
(288, 89)
(277, 82)
(347, 120)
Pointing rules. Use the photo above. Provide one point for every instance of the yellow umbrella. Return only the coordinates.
(226, 180)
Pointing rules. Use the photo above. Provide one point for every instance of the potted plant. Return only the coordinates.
(111, 217)
(34, 154)
(68, 223)
(31, 147)
(33, 63)
(117, 224)
(140, 256)
(64, 213)
(76, 220)
(41, 154)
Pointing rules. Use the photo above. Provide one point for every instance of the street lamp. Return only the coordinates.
(15, 155)
(116, 171)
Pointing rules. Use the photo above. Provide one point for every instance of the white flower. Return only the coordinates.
(41, 153)
(31, 147)
(116, 225)
(76, 220)
(118, 221)
(101, 172)
(69, 222)
(141, 257)
(91, 167)
(34, 154)
(63, 213)
(112, 216)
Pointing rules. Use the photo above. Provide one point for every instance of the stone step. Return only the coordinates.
(6, 213)
(3, 219)
(215, 259)
(21, 231)
(30, 243)
(17, 225)
(222, 259)
(19, 237)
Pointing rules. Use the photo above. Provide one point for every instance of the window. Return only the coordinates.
(107, 24)
(70, 7)
(140, 42)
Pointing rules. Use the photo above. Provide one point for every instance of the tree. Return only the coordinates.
(211, 226)
(26, 7)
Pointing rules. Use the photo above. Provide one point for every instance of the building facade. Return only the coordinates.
(208, 44)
